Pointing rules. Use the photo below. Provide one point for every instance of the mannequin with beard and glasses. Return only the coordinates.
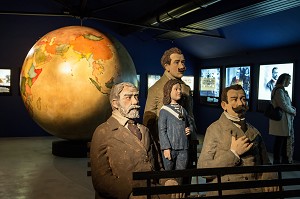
(121, 146)
(232, 142)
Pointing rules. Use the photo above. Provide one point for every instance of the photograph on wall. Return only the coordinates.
(268, 75)
(238, 75)
(210, 82)
(151, 79)
(189, 80)
(5, 78)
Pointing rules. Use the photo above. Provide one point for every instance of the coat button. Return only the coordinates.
(146, 158)
(246, 178)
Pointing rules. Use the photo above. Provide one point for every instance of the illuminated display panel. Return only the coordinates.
(189, 80)
(267, 72)
(5, 81)
(265, 75)
(151, 79)
(209, 86)
(239, 75)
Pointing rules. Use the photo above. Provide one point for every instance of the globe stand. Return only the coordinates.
(71, 149)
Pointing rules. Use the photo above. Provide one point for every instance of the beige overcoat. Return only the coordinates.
(284, 127)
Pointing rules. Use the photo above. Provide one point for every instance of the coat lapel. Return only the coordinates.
(229, 127)
(124, 135)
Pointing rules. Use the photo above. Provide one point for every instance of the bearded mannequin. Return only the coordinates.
(116, 151)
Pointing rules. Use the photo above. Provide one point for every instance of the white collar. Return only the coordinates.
(233, 118)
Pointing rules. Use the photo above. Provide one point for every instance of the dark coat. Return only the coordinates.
(116, 153)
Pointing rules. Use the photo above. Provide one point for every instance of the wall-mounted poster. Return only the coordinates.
(189, 80)
(268, 75)
(209, 85)
(151, 79)
(5, 84)
(239, 75)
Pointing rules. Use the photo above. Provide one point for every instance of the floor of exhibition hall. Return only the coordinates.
(28, 170)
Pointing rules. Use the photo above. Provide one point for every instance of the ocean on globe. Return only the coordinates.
(66, 79)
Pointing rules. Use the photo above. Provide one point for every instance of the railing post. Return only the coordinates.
(149, 187)
(219, 185)
(280, 183)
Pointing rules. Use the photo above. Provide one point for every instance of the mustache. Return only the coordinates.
(240, 109)
(132, 107)
(181, 69)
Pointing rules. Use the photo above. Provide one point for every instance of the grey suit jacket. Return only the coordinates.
(216, 152)
(115, 153)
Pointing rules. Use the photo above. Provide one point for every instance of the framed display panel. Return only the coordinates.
(268, 74)
(138, 80)
(209, 86)
(151, 79)
(5, 81)
(239, 75)
(189, 80)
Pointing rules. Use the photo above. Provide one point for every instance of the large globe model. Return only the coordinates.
(66, 79)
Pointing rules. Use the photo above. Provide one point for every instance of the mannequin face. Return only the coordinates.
(175, 93)
(127, 105)
(177, 67)
(237, 103)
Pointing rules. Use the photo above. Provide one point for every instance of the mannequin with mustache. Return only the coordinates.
(231, 142)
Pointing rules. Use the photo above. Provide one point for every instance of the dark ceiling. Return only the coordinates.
(203, 28)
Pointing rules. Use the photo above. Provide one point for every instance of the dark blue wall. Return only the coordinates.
(205, 115)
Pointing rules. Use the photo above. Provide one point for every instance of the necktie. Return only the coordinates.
(134, 129)
(243, 124)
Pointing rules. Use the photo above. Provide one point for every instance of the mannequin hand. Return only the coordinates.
(167, 154)
(187, 131)
(240, 145)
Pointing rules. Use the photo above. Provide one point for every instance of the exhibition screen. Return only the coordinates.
(268, 74)
(152, 79)
(265, 76)
(239, 75)
(209, 85)
(5, 86)
(189, 80)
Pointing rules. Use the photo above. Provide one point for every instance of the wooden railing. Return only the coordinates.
(288, 182)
